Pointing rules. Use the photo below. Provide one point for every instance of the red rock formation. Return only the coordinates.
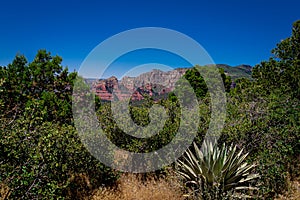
(151, 83)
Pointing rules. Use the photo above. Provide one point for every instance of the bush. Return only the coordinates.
(45, 161)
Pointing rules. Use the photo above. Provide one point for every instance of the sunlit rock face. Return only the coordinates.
(152, 84)
(155, 83)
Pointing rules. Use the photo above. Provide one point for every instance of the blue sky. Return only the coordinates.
(233, 32)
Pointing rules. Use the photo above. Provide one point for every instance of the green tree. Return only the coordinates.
(41, 154)
(13, 90)
(282, 71)
(197, 83)
(263, 116)
(44, 81)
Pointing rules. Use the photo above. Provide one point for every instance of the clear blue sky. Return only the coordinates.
(233, 31)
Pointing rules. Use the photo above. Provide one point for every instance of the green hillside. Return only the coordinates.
(236, 72)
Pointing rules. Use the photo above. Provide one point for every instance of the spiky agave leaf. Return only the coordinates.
(222, 167)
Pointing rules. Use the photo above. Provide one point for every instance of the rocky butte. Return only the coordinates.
(153, 83)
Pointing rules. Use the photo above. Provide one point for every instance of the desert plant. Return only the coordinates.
(216, 172)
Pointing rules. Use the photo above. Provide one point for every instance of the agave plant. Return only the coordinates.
(216, 170)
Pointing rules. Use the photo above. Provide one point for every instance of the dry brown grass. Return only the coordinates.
(4, 191)
(131, 187)
(294, 194)
(81, 186)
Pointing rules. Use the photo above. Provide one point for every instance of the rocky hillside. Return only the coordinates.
(153, 83)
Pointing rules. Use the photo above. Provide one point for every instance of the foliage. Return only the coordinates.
(263, 117)
(283, 69)
(267, 126)
(38, 160)
(44, 81)
(140, 115)
(237, 72)
(215, 171)
(197, 82)
(41, 155)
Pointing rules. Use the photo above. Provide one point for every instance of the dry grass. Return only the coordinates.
(81, 186)
(294, 194)
(131, 187)
(4, 191)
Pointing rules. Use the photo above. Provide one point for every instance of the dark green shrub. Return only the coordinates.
(42, 160)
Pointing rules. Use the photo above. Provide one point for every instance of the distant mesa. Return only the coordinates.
(156, 83)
